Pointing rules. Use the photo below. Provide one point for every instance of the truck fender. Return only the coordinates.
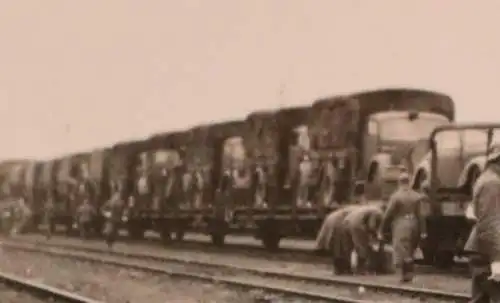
(471, 170)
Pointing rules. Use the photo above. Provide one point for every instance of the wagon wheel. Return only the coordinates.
(218, 239)
(271, 241)
(444, 259)
(179, 235)
(166, 236)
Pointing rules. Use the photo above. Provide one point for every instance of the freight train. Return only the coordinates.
(274, 174)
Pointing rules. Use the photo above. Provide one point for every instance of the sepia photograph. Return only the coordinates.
(232, 151)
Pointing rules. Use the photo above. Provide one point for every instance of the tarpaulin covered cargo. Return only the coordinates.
(234, 152)
(199, 158)
(165, 158)
(29, 175)
(117, 164)
(64, 169)
(347, 115)
(293, 139)
(47, 173)
(262, 137)
(219, 132)
(97, 161)
(199, 150)
(15, 175)
(262, 143)
(124, 162)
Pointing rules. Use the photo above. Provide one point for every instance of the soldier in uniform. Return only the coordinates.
(483, 244)
(403, 214)
(361, 227)
(114, 212)
(85, 216)
(331, 239)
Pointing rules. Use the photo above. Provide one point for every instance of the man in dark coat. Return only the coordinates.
(483, 244)
(114, 212)
(85, 215)
(403, 214)
(330, 239)
(362, 225)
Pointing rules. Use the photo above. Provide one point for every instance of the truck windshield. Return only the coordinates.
(396, 126)
(466, 140)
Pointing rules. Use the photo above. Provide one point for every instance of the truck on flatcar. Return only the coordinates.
(198, 179)
(169, 211)
(128, 171)
(228, 161)
(357, 143)
(456, 158)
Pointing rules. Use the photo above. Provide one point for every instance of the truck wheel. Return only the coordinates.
(179, 235)
(271, 242)
(136, 233)
(444, 259)
(218, 239)
(166, 236)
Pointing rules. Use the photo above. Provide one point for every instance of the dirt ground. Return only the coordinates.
(111, 284)
(439, 281)
(8, 295)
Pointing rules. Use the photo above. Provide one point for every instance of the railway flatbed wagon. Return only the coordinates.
(63, 214)
(198, 182)
(282, 139)
(37, 193)
(457, 156)
(167, 210)
(94, 171)
(350, 147)
(228, 155)
(129, 164)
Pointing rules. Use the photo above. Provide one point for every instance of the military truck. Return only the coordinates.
(456, 158)
(169, 211)
(350, 147)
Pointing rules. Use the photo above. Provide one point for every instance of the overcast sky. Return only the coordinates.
(80, 74)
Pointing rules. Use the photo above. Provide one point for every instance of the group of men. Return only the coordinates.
(355, 234)
(15, 214)
(352, 231)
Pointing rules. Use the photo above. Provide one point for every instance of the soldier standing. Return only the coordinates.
(403, 214)
(113, 211)
(362, 224)
(85, 215)
(331, 239)
(483, 244)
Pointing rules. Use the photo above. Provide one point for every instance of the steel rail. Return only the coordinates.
(407, 292)
(295, 254)
(42, 291)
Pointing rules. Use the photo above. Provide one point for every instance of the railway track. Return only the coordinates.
(343, 290)
(301, 254)
(42, 291)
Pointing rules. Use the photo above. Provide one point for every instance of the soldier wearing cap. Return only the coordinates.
(403, 214)
(483, 244)
(361, 225)
(331, 239)
(114, 211)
